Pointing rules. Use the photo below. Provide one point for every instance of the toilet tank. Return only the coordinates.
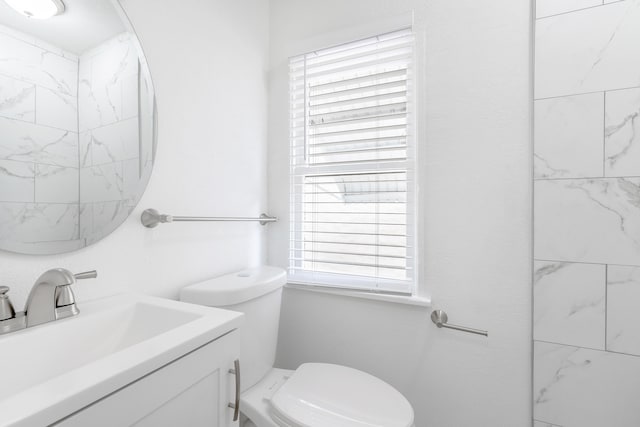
(257, 293)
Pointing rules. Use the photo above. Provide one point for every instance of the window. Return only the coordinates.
(352, 165)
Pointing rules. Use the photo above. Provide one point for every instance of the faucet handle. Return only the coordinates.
(86, 275)
(64, 294)
(6, 308)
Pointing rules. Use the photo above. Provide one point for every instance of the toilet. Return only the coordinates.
(315, 394)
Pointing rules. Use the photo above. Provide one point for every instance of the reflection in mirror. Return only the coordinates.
(77, 127)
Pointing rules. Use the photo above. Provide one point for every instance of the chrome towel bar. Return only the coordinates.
(150, 218)
(440, 319)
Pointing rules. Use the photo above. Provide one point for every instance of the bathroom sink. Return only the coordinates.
(52, 370)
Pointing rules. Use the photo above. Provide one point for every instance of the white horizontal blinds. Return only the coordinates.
(350, 103)
(351, 165)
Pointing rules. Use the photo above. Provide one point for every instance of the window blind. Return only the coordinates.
(352, 165)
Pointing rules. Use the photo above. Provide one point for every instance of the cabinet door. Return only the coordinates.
(193, 407)
(192, 391)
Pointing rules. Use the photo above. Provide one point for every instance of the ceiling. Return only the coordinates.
(83, 25)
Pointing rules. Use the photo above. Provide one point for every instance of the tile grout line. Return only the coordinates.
(585, 93)
(46, 49)
(35, 121)
(14, 202)
(606, 305)
(588, 348)
(567, 262)
(78, 146)
(587, 178)
(585, 262)
(604, 130)
(532, 165)
(67, 130)
(35, 124)
(35, 105)
(578, 10)
(34, 83)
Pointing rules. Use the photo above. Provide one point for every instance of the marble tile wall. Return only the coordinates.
(587, 213)
(110, 132)
(39, 144)
(71, 156)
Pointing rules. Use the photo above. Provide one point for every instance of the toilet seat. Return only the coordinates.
(326, 395)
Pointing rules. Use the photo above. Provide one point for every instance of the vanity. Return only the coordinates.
(125, 360)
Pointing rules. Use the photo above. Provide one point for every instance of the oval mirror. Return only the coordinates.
(77, 123)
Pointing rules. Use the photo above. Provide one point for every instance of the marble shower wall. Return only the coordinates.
(38, 143)
(587, 214)
(110, 150)
(76, 144)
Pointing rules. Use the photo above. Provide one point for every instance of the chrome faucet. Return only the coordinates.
(51, 298)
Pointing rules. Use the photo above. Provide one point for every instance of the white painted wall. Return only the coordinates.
(477, 186)
(208, 60)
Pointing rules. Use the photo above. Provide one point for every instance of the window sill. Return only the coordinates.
(396, 299)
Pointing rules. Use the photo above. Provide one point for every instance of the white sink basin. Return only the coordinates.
(55, 369)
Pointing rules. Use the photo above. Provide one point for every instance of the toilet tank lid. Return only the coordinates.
(235, 288)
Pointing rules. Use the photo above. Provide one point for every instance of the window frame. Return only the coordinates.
(413, 220)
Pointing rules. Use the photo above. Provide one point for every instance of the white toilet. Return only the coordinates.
(315, 394)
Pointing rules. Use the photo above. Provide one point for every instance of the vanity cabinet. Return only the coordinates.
(192, 391)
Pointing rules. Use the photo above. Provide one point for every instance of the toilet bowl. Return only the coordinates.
(313, 395)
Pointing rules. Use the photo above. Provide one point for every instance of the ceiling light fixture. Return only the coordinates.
(37, 9)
